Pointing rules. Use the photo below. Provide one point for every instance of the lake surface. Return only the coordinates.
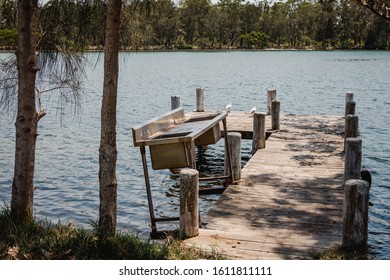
(308, 82)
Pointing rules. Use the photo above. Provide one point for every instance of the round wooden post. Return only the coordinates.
(271, 96)
(234, 139)
(258, 140)
(351, 128)
(175, 102)
(353, 158)
(189, 207)
(348, 97)
(355, 214)
(350, 108)
(275, 115)
(200, 100)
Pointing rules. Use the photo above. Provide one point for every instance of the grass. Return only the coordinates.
(339, 252)
(42, 240)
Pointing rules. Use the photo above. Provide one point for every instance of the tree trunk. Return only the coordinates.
(27, 118)
(107, 150)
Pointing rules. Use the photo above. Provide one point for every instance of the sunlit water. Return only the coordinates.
(66, 176)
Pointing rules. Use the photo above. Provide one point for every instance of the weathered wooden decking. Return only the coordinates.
(289, 200)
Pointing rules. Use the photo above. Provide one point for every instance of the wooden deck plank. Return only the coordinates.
(259, 246)
(289, 200)
(242, 122)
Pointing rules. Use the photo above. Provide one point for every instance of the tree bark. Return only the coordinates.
(27, 118)
(107, 150)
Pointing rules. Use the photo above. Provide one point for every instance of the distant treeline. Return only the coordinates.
(199, 24)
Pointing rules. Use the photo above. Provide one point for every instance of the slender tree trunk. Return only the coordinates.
(27, 116)
(107, 150)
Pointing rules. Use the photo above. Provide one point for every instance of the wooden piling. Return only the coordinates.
(200, 100)
(348, 97)
(189, 207)
(271, 96)
(259, 135)
(234, 139)
(351, 128)
(353, 158)
(175, 102)
(275, 115)
(350, 108)
(355, 214)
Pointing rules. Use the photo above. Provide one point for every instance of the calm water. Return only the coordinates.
(307, 82)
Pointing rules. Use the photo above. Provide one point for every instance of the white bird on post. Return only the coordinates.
(253, 110)
(228, 107)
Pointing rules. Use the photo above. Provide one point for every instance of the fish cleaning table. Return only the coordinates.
(172, 138)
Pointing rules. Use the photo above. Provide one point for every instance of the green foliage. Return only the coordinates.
(9, 38)
(72, 25)
(8, 14)
(253, 39)
(377, 35)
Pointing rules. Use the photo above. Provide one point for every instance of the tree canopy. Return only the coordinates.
(201, 24)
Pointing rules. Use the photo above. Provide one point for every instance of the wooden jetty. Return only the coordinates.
(289, 200)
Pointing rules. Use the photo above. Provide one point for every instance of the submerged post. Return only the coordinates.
(275, 115)
(271, 96)
(355, 214)
(175, 102)
(189, 207)
(353, 159)
(234, 139)
(200, 100)
(258, 140)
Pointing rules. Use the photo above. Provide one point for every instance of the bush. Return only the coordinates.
(8, 38)
(254, 38)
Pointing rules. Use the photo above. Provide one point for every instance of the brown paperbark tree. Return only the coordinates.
(107, 150)
(27, 117)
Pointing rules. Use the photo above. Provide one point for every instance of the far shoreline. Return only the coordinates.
(156, 50)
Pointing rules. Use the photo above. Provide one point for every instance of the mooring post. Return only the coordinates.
(348, 97)
(350, 105)
(175, 102)
(350, 108)
(271, 96)
(275, 115)
(351, 128)
(353, 158)
(234, 139)
(189, 207)
(200, 100)
(355, 214)
(258, 140)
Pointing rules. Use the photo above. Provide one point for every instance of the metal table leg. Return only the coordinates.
(148, 190)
